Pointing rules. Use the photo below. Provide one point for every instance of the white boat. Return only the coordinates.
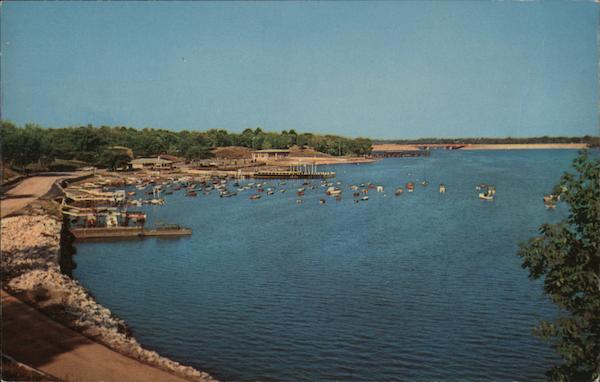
(486, 196)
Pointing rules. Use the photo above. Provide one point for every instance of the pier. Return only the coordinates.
(299, 171)
(128, 232)
(292, 174)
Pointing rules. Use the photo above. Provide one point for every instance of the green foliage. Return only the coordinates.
(567, 256)
(34, 144)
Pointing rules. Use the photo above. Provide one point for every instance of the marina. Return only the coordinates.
(403, 264)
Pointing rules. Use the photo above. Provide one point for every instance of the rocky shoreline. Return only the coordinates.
(30, 270)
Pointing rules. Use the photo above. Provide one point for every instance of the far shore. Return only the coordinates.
(474, 146)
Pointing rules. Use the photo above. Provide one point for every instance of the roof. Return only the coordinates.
(150, 161)
(273, 151)
(172, 158)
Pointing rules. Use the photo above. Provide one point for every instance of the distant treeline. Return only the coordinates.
(35, 145)
(592, 141)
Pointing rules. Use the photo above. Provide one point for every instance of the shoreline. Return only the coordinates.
(31, 245)
(478, 146)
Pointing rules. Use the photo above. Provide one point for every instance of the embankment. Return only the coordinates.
(30, 270)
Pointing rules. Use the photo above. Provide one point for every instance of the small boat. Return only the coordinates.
(399, 191)
(282, 191)
(486, 195)
(321, 201)
(131, 193)
(356, 194)
(379, 188)
(191, 193)
(410, 186)
(424, 183)
(254, 197)
(300, 193)
(364, 198)
(550, 201)
(270, 192)
(442, 188)
(333, 191)
(298, 201)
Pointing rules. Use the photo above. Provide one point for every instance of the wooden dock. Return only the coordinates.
(292, 174)
(128, 232)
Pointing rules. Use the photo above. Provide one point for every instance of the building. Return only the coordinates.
(271, 154)
(151, 164)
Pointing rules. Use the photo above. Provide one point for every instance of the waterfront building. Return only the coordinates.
(271, 154)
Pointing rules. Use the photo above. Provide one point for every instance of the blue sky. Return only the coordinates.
(377, 69)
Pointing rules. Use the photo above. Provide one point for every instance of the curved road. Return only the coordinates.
(28, 191)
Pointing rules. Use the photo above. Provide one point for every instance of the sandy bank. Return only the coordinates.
(528, 146)
(30, 270)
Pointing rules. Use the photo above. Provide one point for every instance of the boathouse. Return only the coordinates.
(271, 154)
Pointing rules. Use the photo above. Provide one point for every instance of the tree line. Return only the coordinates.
(33, 144)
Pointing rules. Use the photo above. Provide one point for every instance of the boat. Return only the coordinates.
(550, 201)
(379, 188)
(424, 183)
(442, 188)
(486, 196)
(364, 198)
(399, 191)
(191, 193)
(333, 191)
(410, 186)
(321, 201)
(338, 198)
(254, 197)
(298, 201)
(300, 193)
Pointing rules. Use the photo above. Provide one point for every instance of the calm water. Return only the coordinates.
(421, 287)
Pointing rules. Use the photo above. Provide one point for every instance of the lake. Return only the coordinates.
(422, 287)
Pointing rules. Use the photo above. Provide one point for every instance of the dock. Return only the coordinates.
(128, 232)
(291, 174)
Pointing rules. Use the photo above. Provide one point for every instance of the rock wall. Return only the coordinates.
(30, 270)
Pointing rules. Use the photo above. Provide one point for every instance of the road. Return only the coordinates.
(35, 340)
(28, 191)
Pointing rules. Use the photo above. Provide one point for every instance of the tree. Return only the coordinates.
(567, 256)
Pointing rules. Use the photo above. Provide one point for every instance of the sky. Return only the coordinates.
(378, 69)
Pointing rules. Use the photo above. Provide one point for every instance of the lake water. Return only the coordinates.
(421, 287)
